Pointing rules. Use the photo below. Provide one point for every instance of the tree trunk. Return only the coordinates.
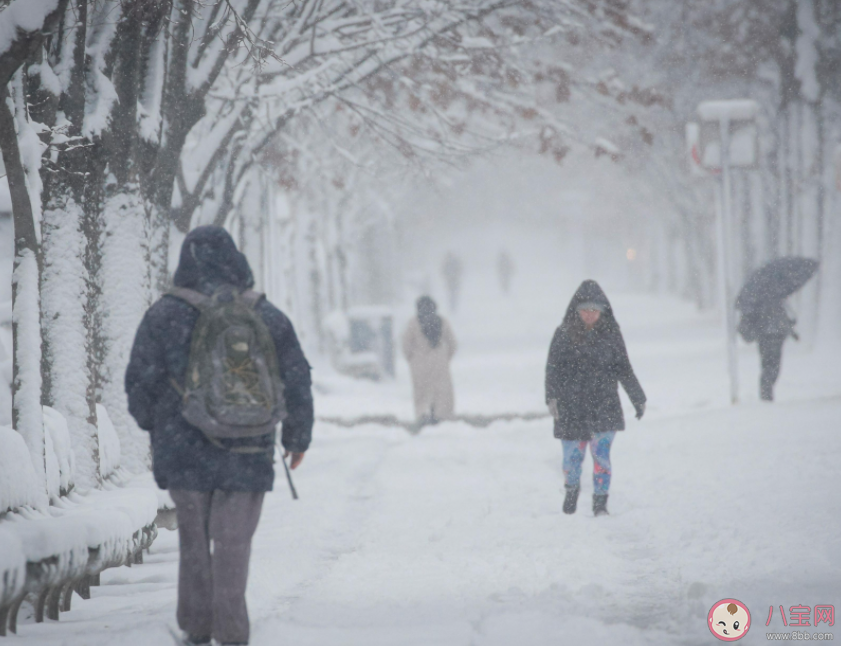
(64, 286)
(799, 178)
(788, 180)
(27, 417)
(773, 197)
(69, 377)
(747, 228)
(125, 297)
(125, 244)
(316, 283)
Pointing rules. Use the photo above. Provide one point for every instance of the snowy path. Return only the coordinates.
(455, 537)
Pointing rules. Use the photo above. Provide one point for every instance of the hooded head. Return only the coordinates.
(589, 295)
(209, 259)
(429, 320)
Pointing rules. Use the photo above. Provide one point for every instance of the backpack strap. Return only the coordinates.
(243, 450)
(252, 298)
(191, 296)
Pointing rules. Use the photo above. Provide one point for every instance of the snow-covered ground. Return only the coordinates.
(455, 536)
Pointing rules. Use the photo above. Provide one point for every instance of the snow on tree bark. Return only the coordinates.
(125, 297)
(26, 315)
(27, 414)
(64, 292)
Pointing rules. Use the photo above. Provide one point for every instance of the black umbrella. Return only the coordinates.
(776, 280)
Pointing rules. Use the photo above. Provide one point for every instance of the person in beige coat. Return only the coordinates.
(429, 345)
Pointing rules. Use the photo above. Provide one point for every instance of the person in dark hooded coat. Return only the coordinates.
(218, 493)
(587, 360)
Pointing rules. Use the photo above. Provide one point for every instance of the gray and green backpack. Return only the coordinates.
(233, 387)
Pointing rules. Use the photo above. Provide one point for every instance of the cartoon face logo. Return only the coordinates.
(729, 620)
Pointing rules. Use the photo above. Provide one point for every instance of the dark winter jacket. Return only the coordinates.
(182, 458)
(768, 319)
(584, 368)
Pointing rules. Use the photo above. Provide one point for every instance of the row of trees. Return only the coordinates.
(124, 123)
(786, 55)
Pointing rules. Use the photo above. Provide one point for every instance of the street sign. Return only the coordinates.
(693, 150)
(740, 117)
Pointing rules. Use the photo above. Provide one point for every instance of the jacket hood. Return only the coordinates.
(209, 259)
(431, 324)
(589, 292)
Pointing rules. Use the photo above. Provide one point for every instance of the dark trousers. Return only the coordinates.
(214, 534)
(770, 355)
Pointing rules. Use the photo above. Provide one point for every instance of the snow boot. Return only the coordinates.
(599, 504)
(571, 500)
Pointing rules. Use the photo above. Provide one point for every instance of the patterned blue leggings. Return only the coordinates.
(574, 455)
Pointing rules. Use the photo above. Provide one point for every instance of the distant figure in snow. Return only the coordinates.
(764, 317)
(453, 270)
(429, 345)
(217, 484)
(505, 271)
(587, 360)
(769, 324)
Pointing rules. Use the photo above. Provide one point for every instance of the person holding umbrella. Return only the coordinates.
(764, 316)
(772, 326)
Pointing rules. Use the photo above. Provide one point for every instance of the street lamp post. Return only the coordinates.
(723, 124)
(725, 262)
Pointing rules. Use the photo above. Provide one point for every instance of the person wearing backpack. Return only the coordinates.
(216, 353)
(587, 362)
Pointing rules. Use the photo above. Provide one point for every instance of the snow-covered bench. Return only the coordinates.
(65, 548)
(50, 549)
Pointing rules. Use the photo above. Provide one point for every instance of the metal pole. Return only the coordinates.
(288, 476)
(725, 274)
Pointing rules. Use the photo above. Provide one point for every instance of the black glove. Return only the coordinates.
(640, 408)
